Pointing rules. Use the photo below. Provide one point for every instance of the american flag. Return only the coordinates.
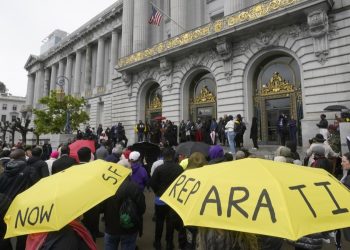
(156, 17)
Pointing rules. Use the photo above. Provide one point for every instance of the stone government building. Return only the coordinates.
(256, 58)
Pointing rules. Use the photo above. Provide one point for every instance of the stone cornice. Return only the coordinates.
(228, 24)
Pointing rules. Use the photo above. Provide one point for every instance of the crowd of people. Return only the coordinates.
(23, 166)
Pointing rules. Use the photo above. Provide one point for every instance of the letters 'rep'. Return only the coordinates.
(184, 188)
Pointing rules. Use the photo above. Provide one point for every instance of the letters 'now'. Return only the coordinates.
(33, 216)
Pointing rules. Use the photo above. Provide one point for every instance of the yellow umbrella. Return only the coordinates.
(56, 200)
(262, 197)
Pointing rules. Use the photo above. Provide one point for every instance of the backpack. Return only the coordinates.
(128, 214)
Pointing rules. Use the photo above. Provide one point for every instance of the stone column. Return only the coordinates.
(53, 77)
(178, 13)
(199, 10)
(88, 64)
(100, 62)
(114, 53)
(47, 82)
(68, 74)
(232, 6)
(140, 41)
(60, 70)
(38, 88)
(30, 90)
(127, 27)
(77, 73)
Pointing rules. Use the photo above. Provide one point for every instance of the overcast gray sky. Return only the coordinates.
(25, 23)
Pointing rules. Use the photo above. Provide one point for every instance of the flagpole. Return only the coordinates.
(155, 6)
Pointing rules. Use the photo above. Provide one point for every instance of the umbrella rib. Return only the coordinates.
(283, 197)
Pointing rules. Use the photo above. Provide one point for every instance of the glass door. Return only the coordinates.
(274, 108)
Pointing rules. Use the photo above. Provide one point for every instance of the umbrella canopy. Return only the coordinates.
(146, 148)
(78, 144)
(187, 148)
(56, 200)
(159, 118)
(262, 197)
(335, 108)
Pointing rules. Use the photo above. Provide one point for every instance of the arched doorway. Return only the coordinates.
(153, 107)
(202, 96)
(277, 91)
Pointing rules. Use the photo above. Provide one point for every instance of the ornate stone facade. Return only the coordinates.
(230, 44)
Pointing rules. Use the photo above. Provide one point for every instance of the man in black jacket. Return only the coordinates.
(64, 161)
(37, 167)
(114, 231)
(161, 179)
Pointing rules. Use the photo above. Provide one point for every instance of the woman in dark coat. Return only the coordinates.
(254, 132)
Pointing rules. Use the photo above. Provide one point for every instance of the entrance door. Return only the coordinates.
(275, 108)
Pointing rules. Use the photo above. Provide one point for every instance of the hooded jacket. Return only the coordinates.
(15, 178)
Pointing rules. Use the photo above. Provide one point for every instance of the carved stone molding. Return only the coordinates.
(224, 50)
(166, 66)
(318, 29)
(126, 77)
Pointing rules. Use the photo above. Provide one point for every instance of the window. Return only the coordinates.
(14, 107)
(3, 118)
(4, 106)
(14, 118)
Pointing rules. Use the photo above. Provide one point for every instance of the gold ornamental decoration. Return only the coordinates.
(205, 96)
(254, 12)
(277, 85)
(156, 103)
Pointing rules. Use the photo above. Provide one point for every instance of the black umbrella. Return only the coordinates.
(335, 108)
(187, 148)
(146, 148)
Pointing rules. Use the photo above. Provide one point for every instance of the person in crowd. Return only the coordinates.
(213, 131)
(292, 124)
(140, 129)
(103, 137)
(72, 236)
(283, 154)
(28, 151)
(91, 217)
(239, 129)
(231, 134)
(139, 174)
(37, 167)
(49, 162)
(219, 239)
(345, 163)
(293, 148)
(240, 155)
(254, 132)
(121, 137)
(319, 141)
(5, 201)
(5, 158)
(47, 149)
(199, 132)
(161, 179)
(147, 131)
(115, 154)
(115, 232)
(182, 131)
(221, 131)
(99, 130)
(320, 160)
(282, 128)
(323, 126)
(64, 161)
(216, 154)
(196, 160)
(102, 152)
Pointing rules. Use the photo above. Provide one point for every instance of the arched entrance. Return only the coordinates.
(277, 91)
(153, 107)
(202, 96)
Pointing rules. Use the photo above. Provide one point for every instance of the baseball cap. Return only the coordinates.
(134, 156)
